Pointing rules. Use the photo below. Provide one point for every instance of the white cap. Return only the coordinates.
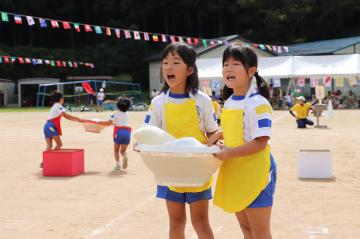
(302, 98)
(101, 90)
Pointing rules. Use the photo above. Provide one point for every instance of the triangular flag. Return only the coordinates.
(212, 43)
(268, 47)
(327, 81)
(286, 48)
(108, 31)
(146, 36)
(172, 39)
(47, 62)
(4, 17)
(77, 27)
(117, 33)
(204, 42)
(137, 35)
(98, 30)
(58, 64)
(189, 41)
(21, 60)
(0, 59)
(255, 45)
(127, 34)
(27, 61)
(34, 62)
(75, 65)
(18, 19)
(66, 25)
(12, 59)
(6, 59)
(70, 64)
(163, 38)
(262, 47)
(64, 63)
(30, 20)
(39, 61)
(196, 41)
(87, 28)
(155, 38)
(180, 39)
(52, 63)
(54, 24)
(42, 22)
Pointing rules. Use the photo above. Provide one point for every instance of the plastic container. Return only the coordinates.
(92, 126)
(180, 166)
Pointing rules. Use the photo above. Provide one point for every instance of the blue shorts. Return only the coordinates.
(99, 102)
(122, 136)
(50, 130)
(266, 197)
(165, 193)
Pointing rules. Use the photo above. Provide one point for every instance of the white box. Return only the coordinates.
(314, 163)
(180, 166)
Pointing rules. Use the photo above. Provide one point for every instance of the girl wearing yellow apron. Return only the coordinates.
(183, 111)
(246, 180)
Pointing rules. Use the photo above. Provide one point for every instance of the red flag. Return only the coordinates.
(54, 24)
(66, 25)
(87, 88)
(108, 31)
(172, 39)
(6, 59)
(188, 40)
(58, 64)
(196, 41)
(21, 60)
(87, 28)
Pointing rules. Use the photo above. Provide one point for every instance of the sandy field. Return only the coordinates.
(105, 204)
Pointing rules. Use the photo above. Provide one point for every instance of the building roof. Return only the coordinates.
(200, 50)
(324, 47)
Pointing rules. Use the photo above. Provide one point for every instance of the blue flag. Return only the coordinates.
(34, 61)
(98, 30)
(42, 22)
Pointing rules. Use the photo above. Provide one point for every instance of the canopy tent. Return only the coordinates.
(291, 66)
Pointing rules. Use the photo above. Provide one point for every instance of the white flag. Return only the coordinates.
(30, 20)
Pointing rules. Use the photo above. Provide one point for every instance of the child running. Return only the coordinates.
(121, 133)
(246, 181)
(52, 128)
(183, 111)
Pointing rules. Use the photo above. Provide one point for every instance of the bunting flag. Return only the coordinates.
(137, 35)
(30, 20)
(66, 25)
(54, 24)
(117, 33)
(18, 19)
(107, 31)
(88, 88)
(301, 82)
(39, 61)
(147, 36)
(327, 81)
(42, 22)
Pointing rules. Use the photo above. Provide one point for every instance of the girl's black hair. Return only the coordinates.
(248, 58)
(123, 103)
(188, 55)
(56, 96)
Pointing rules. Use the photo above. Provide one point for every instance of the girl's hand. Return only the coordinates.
(214, 138)
(225, 152)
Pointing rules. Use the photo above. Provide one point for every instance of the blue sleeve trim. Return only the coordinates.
(147, 119)
(264, 123)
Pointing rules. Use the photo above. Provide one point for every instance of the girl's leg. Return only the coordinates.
(123, 148)
(48, 144)
(200, 219)
(58, 142)
(117, 156)
(259, 220)
(177, 219)
(244, 224)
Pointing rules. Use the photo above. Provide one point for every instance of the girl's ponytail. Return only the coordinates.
(262, 86)
(226, 92)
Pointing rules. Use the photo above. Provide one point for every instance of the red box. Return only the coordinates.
(63, 162)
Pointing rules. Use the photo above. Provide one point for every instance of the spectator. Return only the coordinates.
(100, 97)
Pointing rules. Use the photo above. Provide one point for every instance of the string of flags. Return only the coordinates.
(125, 33)
(46, 62)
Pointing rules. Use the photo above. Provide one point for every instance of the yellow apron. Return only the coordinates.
(182, 121)
(240, 179)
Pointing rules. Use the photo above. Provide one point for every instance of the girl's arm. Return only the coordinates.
(214, 137)
(105, 123)
(249, 148)
(70, 117)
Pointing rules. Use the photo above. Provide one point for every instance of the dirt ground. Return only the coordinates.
(106, 204)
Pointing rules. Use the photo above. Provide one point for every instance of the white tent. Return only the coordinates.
(291, 66)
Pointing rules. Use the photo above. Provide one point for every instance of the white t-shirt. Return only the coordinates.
(120, 118)
(56, 110)
(257, 113)
(100, 96)
(205, 110)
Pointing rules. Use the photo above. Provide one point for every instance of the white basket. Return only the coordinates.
(180, 166)
(92, 126)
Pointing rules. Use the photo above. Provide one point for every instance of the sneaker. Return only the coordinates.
(125, 163)
(117, 167)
